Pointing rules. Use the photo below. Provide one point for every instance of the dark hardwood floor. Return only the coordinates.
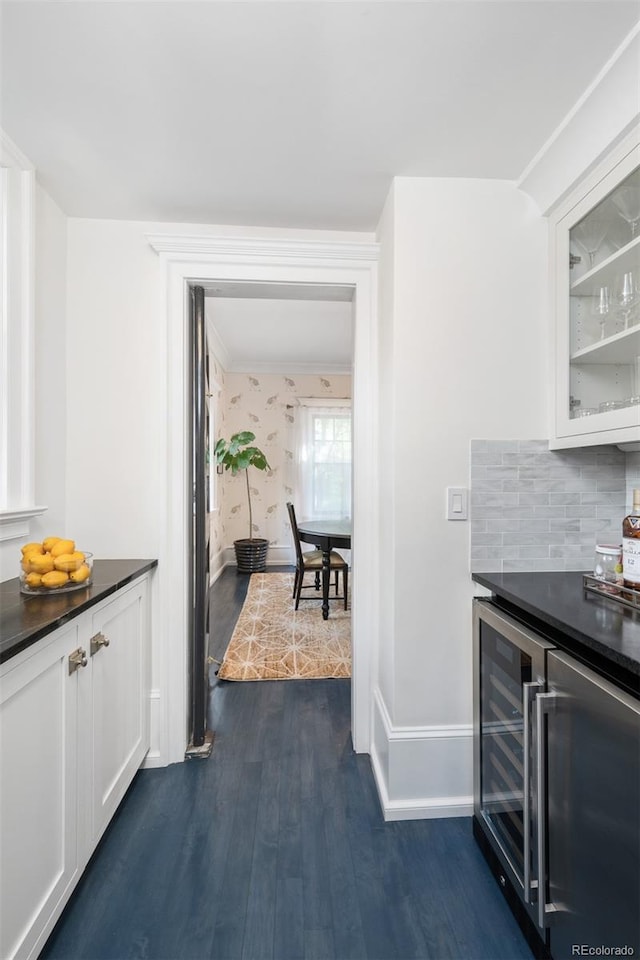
(276, 848)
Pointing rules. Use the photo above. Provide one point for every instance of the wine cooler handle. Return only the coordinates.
(543, 705)
(529, 691)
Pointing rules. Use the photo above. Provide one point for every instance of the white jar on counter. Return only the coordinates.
(607, 566)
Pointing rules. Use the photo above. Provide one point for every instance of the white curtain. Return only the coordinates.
(322, 459)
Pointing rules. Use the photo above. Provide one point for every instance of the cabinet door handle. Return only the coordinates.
(77, 659)
(97, 642)
(530, 883)
(544, 704)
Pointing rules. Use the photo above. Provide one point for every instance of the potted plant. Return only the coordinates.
(237, 454)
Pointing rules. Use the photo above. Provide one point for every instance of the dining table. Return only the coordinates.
(326, 535)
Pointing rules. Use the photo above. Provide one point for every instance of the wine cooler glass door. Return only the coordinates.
(505, 669)
(510, 665)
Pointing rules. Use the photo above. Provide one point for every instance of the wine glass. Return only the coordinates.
(626, 200)
(601, 307)
(590, 233)
(627, 296)
(617, 236)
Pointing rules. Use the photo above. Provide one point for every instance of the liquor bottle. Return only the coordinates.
(631, 545)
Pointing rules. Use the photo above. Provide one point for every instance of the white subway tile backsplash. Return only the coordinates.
(569, 498)
(538, 509)
(582, 511)
(538, 550)
(519, 485)
(534, 499)
(529, 564)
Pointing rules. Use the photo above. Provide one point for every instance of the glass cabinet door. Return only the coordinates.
(604, 306)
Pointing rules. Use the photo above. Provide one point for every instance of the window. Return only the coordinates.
(323, 459)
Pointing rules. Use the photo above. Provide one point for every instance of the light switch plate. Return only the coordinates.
(457, 503)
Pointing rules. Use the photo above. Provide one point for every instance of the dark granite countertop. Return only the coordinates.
(596, 628)
(26, 619)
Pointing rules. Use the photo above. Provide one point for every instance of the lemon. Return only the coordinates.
(62, 546)
(56, 578)
(31, 548)
(81, 574)
(40, 562)
(33, 580)
(68, 561)
(48, 543)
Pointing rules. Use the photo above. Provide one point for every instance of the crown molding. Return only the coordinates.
(178, 246)
(289, 369)
(12, 156)
(601, 118)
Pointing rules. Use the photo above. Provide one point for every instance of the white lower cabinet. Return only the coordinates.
(39, 766)
(119, 725)
(73, 731)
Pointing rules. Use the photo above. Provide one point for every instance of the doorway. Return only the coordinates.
(191, 261)
(281, 357)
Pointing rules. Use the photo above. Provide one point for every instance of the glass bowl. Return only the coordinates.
(76, 575)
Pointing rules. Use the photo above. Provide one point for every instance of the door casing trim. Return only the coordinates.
(188, 260)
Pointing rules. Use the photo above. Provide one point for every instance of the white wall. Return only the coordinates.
(387, 446)
(115, 367)
(467, 359)
(52, 391)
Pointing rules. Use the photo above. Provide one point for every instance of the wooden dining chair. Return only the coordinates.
(311, 562)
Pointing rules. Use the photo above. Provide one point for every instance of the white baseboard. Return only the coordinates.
(277, 555)
(154, 754)
(217, 563)
(421, 772)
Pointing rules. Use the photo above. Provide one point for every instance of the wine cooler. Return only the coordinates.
(509, 668)
(556, 790)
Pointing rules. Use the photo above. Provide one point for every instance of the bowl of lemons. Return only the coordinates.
(54, 566)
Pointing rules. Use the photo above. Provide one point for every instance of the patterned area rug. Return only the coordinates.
(272, 641)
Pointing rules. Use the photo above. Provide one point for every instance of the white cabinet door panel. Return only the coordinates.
(120, 704)
(38, 764)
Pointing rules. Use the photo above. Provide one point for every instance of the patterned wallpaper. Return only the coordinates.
(217, 378)
(265, 404)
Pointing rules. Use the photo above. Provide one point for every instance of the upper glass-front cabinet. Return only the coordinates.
(596, 242)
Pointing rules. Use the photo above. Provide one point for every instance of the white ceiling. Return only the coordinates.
(262, 333)
(289, 114)
(292, 114)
